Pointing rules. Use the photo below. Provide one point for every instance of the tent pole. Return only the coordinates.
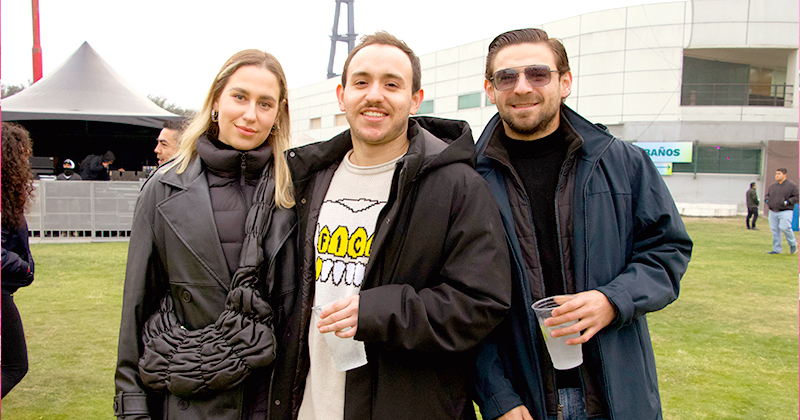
(37, 48)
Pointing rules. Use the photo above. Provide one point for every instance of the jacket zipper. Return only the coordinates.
(242, 167)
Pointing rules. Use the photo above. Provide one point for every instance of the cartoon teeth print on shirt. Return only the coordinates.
(343, 251)
(343, 243)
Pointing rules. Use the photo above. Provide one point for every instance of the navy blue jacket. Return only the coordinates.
(629, 243)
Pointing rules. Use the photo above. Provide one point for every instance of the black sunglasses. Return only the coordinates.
(537, 75)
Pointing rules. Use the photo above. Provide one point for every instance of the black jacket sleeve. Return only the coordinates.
(17, 261)
(462, 301)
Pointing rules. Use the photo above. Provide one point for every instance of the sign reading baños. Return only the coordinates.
(665, 154)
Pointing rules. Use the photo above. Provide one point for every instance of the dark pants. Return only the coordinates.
(14, 363)
(751, 212)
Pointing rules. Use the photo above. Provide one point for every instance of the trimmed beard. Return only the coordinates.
(536, 126)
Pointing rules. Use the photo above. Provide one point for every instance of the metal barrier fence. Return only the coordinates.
(101, 210)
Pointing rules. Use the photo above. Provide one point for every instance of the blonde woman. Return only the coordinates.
(209, 279)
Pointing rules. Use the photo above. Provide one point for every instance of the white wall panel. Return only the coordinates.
(652, 106)
(447, 56)
(719, 11)
(655, 59)
(606, 20)
(601, 84)
(656, 81)
(772, 33)
(447, 72)
(730, 34)
(602, 63)
(654, 37)
(657, 14)
(603, 42)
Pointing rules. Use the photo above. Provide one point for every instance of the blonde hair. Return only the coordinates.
(279, 138)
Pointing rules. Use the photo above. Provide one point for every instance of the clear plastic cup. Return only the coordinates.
(347, 353)
(564, 356)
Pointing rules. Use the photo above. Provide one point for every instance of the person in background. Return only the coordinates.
(69, 172)
(17, 261)
(169, 140)
(95, 167)
(590, 221)
(781, 198)
(752, 206)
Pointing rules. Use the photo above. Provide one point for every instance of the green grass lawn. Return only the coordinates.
(726, 349)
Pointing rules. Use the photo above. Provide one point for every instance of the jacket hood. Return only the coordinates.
(440, 142)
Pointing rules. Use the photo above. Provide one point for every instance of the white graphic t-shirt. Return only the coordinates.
(343, 238)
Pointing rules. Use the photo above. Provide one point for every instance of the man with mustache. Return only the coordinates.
(588, 219)
(403, 255)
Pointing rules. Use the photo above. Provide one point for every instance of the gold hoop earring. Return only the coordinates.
(214, 115)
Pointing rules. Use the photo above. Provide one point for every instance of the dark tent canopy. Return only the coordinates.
(85, 107)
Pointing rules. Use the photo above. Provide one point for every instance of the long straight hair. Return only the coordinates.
(279, 139)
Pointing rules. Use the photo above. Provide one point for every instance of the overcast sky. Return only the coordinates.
(174, 48)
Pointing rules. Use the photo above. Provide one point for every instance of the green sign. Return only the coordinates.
(672, 152)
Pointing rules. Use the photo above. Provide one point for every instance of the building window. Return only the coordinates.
(341, 120)
(315, 123)
(470, 100)
(722, 160)
(720, 83)
(426, 107)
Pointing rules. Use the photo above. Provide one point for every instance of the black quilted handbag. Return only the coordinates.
(201, 363)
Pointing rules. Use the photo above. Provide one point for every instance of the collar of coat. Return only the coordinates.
(595, 138)
(227, 162)
(433, 143)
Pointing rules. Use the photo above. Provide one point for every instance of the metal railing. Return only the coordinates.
(736, 94)
(82, 209)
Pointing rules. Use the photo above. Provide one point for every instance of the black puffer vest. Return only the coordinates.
(232, 177)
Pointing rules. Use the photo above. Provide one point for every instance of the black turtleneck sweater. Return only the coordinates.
(232, 177)
(538, 164)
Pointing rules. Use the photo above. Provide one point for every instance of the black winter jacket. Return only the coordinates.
(175, 248)
(17, 261)
(782, 196)
(436, 283)
(92, 168)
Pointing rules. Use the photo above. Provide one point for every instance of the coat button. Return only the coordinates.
(303, 200)
(183, 404)
(186, 296)
(291, 154)
(277, 402)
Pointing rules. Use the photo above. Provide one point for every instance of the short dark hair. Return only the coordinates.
(782, 170)
(177, 125)
(752, 184)
(527, 36)
(385, 38)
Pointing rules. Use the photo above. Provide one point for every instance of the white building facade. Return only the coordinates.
(720, 75)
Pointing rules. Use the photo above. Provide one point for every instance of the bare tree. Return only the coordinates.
(8, 90)
(171, 107)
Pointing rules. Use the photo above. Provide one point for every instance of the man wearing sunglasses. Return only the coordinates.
(589, 219)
